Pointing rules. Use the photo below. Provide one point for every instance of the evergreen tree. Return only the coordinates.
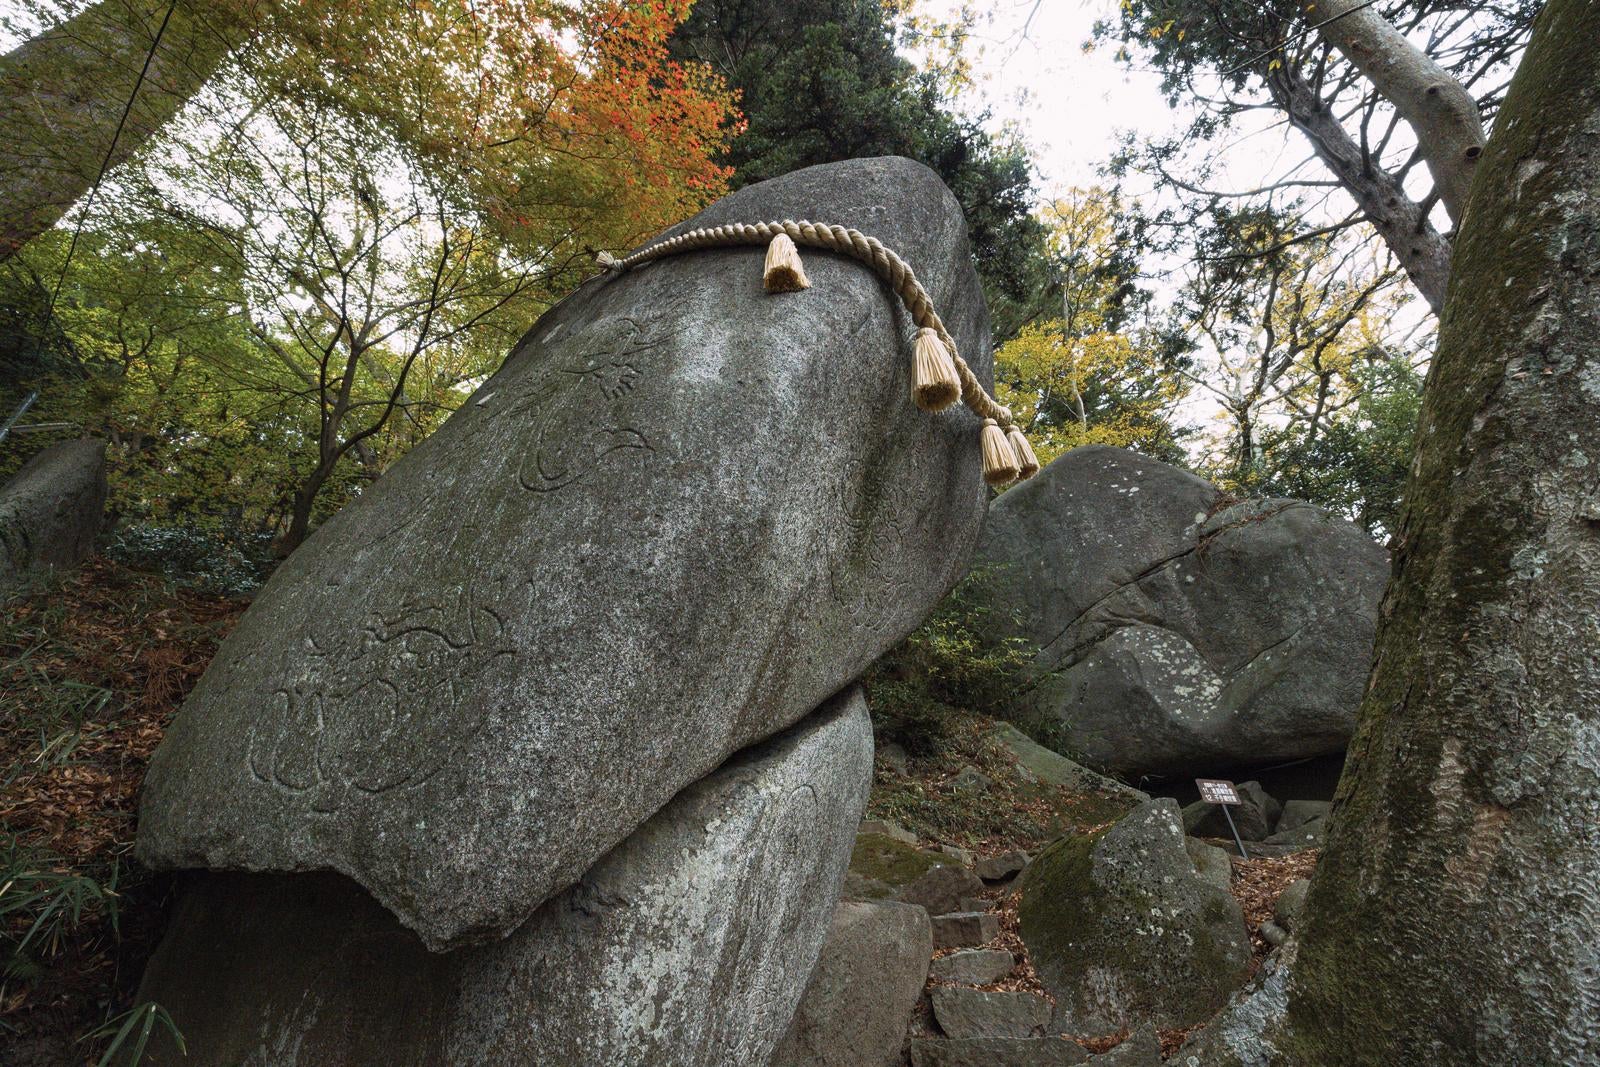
(820, 81)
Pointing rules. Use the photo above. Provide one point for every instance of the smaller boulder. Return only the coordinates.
(971, 780)
(973, 966)
(51, 510)
(1254, 816)
(1291, 904)
(894, 758)
(1039, 764)
(965, 929)
(890, 862)
(963, 1013)
(996, 1052)
(1306, 835)
(941, 889)
(999, 868)
(1122, 929)
(866, 983)
(1297, 813)
(960, 855)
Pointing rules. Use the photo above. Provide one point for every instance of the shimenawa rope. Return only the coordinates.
(939, 375)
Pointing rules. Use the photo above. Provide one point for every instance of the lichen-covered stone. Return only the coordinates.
(688, 945)
(682, 514)
(1177, 633)
(861, 995)
(51, 510)
(1122, 929)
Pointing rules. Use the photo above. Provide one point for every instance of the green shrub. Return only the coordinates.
(957, 659)
(195, 557)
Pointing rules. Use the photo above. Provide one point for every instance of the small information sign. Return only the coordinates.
(1216, 791)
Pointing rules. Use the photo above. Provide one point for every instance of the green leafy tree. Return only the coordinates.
(1090, 373)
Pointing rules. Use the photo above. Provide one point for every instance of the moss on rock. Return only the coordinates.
(1122, 929)
(894, 863)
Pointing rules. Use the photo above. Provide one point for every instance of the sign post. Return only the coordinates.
(1224, 795)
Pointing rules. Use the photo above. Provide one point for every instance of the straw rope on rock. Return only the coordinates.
(940, 375)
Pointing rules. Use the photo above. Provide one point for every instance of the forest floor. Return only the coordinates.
(92, 667)
(1010, 813)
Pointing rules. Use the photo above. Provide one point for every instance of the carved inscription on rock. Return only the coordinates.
(386, 706)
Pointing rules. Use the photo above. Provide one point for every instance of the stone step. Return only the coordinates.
(963, 1013)
(965, 929)
(974, 966)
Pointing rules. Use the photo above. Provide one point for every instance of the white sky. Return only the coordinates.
(1070, 105)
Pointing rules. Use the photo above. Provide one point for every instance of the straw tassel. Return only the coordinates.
(1027, 462)
(999, 461)
(934, 384)
(784, 273)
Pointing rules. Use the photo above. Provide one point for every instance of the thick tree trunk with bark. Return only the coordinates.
(63, 93)
(1440, 111)
(1455, 914)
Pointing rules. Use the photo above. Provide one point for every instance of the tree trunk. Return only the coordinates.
(1442, 114)
(63, 93)
(1422, 250)
(1455, 915)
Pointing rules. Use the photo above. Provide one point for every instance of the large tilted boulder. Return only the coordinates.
(1178, 633)
(859, 1003)
(688, 945)
(1123, 929)
(52, 510)
(681, 515)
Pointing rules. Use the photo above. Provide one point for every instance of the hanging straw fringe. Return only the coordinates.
(785, 273)
(1006, 452)
(934, 384)
(1000, 465)
(1027, 462)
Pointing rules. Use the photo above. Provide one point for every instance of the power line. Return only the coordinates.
(105, 164)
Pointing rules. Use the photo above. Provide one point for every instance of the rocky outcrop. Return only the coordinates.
(1123, 930)
(862, 993)
(52, 510)
(1179, 633)
(689, 945)
(682, 514)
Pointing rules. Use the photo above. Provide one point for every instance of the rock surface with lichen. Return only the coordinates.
(1179, 632)
(1123, 929)
(682, 514)
(689, 945)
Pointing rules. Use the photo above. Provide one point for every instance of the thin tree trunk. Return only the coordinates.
(1440, 111)
(63, 93)
(1455, 915)
(1403, 224)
